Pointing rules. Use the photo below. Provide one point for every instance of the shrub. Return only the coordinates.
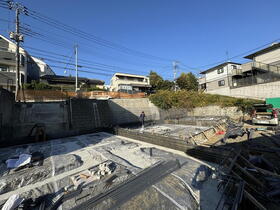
(166, 99)
(34, 85)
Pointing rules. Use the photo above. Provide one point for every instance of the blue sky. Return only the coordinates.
(196, 33)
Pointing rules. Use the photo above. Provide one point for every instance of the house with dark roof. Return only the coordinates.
(259, 78)
(264, 67)
(69, 82)
(217, 79)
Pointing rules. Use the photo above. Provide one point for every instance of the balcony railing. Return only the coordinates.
(201, 80)
(260, 66)
(236, 72)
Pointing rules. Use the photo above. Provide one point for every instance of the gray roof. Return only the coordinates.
(70, 80)
(218, 66)
(263, 51)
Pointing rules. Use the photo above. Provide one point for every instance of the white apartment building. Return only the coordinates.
(30, 68)
(122, 82)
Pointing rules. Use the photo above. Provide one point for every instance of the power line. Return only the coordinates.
(85, 71)
(46, 55)
(87, 36)
(105, 43)
(102, 42)
(81, 34)
(239, 55)
(105, 68)
(69, 61)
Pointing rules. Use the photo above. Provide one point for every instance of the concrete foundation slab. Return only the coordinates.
(70, 156)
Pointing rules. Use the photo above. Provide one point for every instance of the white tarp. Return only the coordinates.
(21, 161)
(13, 202)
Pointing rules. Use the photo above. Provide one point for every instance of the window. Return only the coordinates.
(3, 68)
(221, 83)
(203, 86)
(220, 71)
(22, 60)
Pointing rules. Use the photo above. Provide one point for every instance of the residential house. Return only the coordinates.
(45, 69)
(264, 67)
(130, 83)
(29, 69)
(259, 78)
(218, 78)
(65, 82)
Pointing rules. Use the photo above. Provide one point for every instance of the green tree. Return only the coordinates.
(187, 81)
(165, 85)
(155, 80)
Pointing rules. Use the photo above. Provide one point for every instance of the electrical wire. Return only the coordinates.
(105, 43)
(48, 54)
(87, 36)
(85, 71)
(102, 68)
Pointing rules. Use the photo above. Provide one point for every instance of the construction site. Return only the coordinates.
(95, 154)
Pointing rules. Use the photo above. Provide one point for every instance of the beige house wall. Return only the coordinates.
(214, 85)
(269, 57)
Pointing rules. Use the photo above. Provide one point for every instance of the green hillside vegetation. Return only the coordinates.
(166, 99)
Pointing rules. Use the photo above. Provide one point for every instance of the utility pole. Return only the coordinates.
(174, 74)
(76, 53)
(17, 53)
(17, 37)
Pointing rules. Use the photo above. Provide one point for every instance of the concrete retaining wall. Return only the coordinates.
(231, 112)
(6, 113)
(208, 111)
(128, 110)
(74, 117)
(87, 115)
(259, 91)
(53, 115)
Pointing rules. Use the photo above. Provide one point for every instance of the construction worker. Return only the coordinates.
(142, 118)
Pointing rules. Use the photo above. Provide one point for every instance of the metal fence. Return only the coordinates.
(259, 73)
